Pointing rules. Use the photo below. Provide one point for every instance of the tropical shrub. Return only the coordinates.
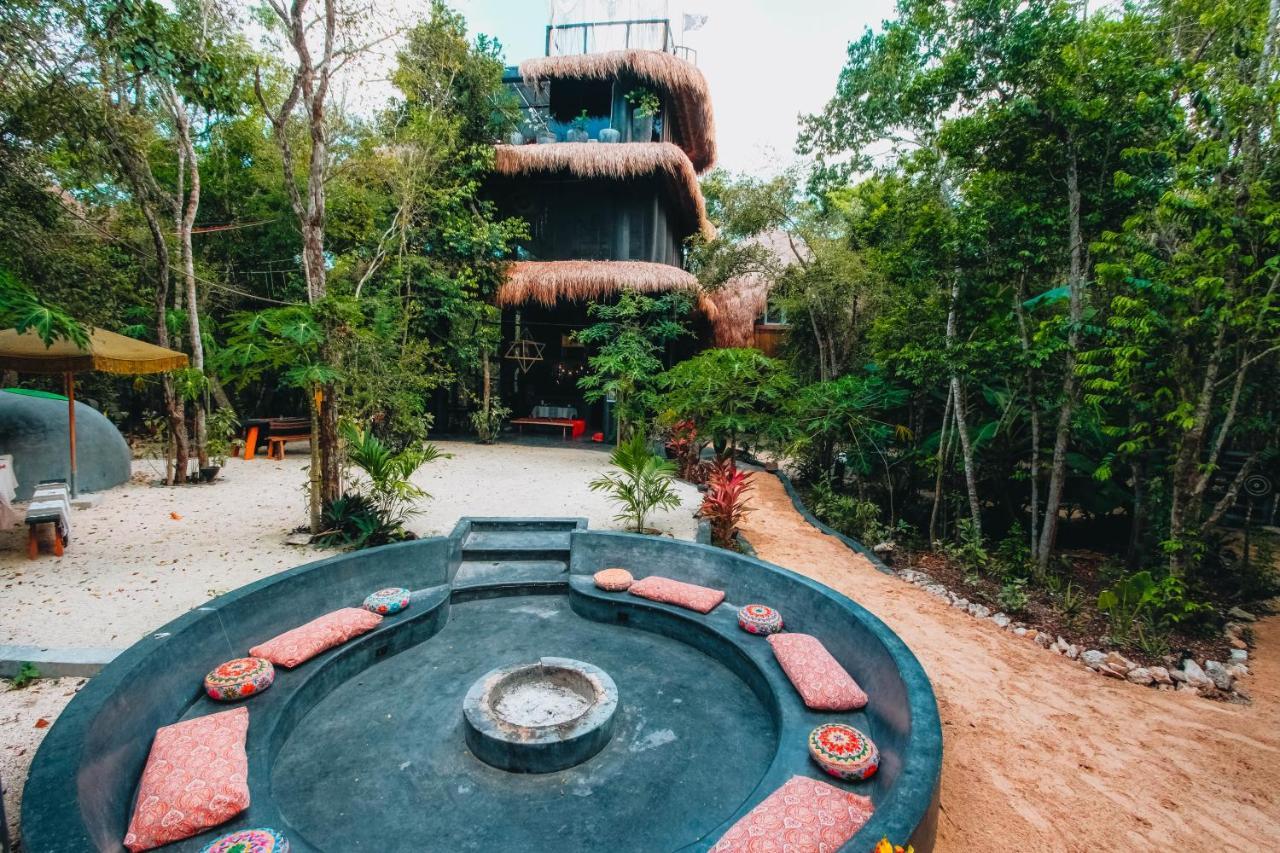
(221, 427)
(1143, 604)
(364, 519)
(488, 424)
(642, 483)
(733, 394)
(725, 503)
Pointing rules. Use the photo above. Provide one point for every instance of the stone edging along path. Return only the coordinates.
(1209, 678)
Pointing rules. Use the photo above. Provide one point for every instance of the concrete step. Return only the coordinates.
(473, 573)
(490, 545)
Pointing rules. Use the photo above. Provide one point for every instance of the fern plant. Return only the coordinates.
(642, 483)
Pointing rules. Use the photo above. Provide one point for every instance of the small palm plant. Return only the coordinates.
(362, 520)
(642, 484)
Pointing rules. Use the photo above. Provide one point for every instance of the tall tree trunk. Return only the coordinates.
(172, 405)
(962, 425)
(186, 222)
(1033, 409)
(943, 439)
(1070, 382)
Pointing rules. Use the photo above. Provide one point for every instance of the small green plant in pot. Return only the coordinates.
(642, 483)
(645, 108)
(578, 128)
(221, 426)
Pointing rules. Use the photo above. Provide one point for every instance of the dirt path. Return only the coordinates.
(1040, 753)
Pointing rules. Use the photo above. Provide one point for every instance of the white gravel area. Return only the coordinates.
(147, 554)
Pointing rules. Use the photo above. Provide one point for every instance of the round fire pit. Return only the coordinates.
(540, 717)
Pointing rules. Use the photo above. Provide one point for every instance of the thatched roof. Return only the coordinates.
(550, 281)
(733, 308)
(694, 125)
(619, 160)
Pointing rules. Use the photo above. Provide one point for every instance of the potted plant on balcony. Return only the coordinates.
(578, 129)
(645, 108)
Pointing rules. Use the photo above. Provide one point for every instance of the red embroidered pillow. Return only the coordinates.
(679, 593)
(196, 777)
(306, 641)
(803, 816)
(821, 681)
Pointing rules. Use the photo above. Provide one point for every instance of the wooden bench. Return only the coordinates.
(50, 505)
(566, 424)
(276, 443)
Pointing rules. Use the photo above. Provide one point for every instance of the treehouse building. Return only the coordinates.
(604, 170)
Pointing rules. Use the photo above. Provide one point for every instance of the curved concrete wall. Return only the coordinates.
(79, 793)
(34, 431)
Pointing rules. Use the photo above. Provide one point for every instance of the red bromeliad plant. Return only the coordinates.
(725, 503)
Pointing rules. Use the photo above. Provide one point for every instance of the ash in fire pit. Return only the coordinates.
(540, 717)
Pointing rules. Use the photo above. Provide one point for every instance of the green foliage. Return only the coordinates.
(27, 673)
(967, 551)
(22, 310)
(645, 101)
(488, 425)
(222, 425)
(354, 521)
(731, 394)
(850, 516)
(388, 473)
(1013, 595)
(642, 484)
(627, 339)
(1139, 602)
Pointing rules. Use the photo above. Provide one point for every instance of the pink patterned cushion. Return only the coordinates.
(196, 777)
(668, 591)
(821, 681)
(306, 641)
(803, 816)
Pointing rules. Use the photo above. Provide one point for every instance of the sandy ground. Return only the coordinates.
(25, 716)
(146, 554)
(1042, 754)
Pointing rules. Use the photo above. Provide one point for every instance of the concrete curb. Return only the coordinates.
(56, 662)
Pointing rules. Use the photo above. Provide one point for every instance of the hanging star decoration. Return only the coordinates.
(525, 352)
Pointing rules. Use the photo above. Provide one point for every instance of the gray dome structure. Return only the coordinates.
(33, 428)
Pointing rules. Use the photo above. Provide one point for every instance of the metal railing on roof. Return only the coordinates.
(595, 36)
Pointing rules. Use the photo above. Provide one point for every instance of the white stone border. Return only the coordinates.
(1210, 679)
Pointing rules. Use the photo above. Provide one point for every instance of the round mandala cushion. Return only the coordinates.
(759, 619)
(844, 752)
(249, 841)
(393, 599)
(614, 580)
(239, 679)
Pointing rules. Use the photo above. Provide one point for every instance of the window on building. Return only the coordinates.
(774, 315)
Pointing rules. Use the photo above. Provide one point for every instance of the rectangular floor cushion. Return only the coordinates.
(306, 641)
(197, 776)
(821, 681)
(803, 816)
(691, 596)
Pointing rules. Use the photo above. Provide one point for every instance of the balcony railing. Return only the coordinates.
(599, 36)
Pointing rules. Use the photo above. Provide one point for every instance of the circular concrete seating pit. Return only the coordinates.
(680, 674)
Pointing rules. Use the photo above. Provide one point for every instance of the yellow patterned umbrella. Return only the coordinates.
(106, 351)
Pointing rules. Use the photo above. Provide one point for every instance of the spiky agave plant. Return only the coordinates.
(642, 483)
(725, 502)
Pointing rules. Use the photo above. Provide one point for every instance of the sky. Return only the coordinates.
(766, 61)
